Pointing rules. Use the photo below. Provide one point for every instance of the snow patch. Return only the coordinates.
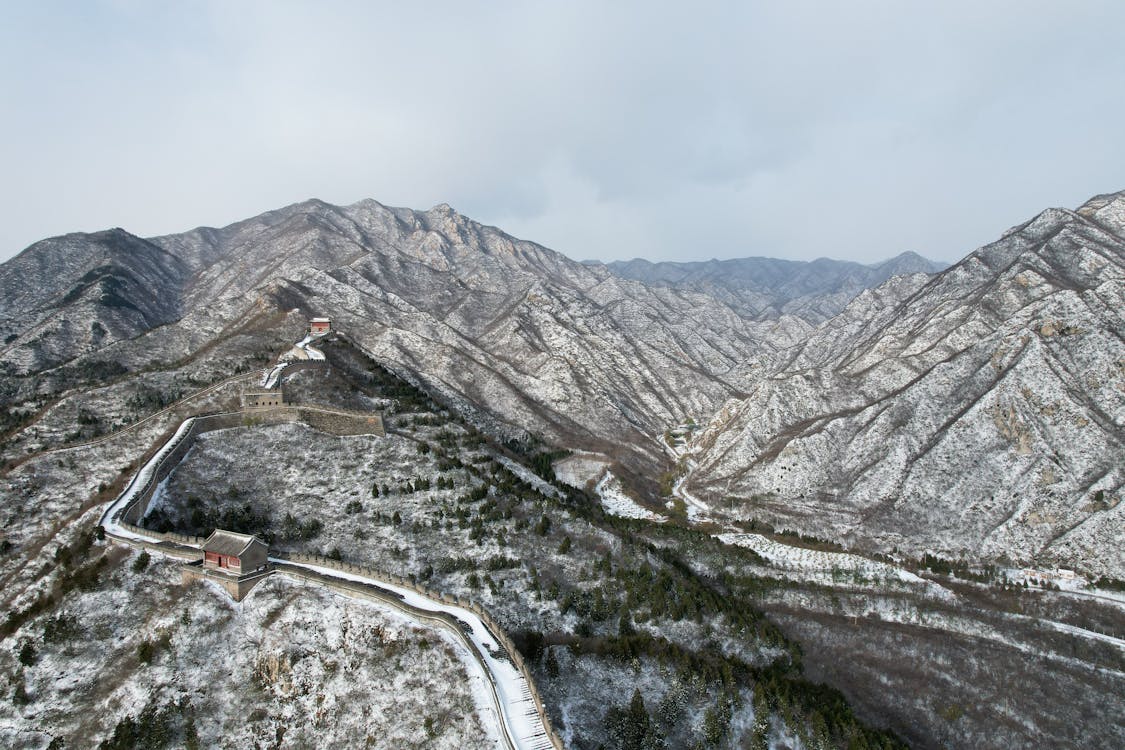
(616, 502)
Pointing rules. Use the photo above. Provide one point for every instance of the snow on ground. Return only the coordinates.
(520, 718)
(1084, 633)
(616, 502)
(110, 518)
(303, 349)
(513, 695)
(581, 467)
(530, 477)
(161, 499)
(835, 564)
(681, 439)
(696, 508)
(272, 376)
(291, 661)
(329, 479)
(1116, 597)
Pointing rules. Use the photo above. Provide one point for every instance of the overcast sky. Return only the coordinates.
(604, 130)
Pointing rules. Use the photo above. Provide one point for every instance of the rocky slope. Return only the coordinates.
(981, 415)
(69, 295)
(977, 411)
(140, 660)
(767, 288)
(506, 328)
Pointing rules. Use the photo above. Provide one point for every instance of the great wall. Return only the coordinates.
(520, 711)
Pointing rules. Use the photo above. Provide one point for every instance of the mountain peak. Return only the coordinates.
(1107, 209)
(909, 262)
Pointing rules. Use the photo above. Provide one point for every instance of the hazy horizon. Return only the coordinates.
(795, 131)
(700, 259)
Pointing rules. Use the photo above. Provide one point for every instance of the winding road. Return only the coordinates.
(522, 721)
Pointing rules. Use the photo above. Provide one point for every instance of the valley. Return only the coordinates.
(700, 527)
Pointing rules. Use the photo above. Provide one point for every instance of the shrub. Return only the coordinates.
(27, 654)
(19, 693)
(148, 649)
(630, 727)
(544, 526)
(170, 725)
(60, 628)
(141, 562)
(552, 663)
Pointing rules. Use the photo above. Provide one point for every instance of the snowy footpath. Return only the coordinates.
(510, 693)
(790, 557)
(617, 502)
(522, 726)
(111, 519)
(271, 376)
(302, 350)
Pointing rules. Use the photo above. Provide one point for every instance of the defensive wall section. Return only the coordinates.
(186, 547)
(237, 586)
(326, 419)
(374, 593)
(304, 364)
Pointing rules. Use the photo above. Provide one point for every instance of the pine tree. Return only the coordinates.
(552, 663)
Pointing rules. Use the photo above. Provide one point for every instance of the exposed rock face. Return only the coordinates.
(981, 414)
(976, 411)
(508, 328)
(69, 295)
(766, 288)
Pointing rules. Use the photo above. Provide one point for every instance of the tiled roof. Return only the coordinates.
(228, 542)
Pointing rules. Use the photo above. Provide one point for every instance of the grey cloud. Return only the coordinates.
(798, 129)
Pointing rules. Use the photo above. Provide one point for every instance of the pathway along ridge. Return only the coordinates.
(523, 721)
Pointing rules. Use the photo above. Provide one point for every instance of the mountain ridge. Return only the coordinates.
(1009, 363)
(532, 342)
(763, 288)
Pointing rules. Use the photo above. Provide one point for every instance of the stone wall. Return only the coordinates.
(324, 418)
(493, 627)
(304, 364)
(156, 542)
(340, 422)
(238, 587)
(333, 421)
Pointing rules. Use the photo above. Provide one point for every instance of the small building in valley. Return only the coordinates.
(318, 326)
(237, 554)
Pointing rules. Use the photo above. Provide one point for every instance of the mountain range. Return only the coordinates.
(972, 411)
(767, 288)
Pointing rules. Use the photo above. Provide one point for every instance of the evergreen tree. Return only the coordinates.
(631, 728)
(552, 663)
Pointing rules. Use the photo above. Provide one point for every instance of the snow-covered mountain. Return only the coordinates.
(81, 292)
(977, 411)
(766, 288)
(509, 328)
(980, 412)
